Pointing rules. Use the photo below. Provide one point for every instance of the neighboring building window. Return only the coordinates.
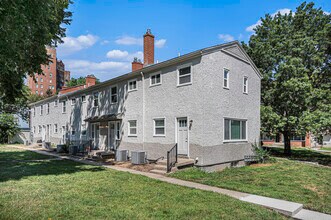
(234, 129)
(50, 81)
(50, 74)
(41, 93)
(83, 129)
(83, 98)
(36, 86)
(226, 78)
(73, 101)
(114, 94)
(184, 75)
(37, 79)
(41, 79)
(53, 87)
(133, 128)
(64, 107)
(55, 128)
(245, 88)
(132, 85)
(39, 129)
(155, 79)
(96, 99)
(47, 108)
(55, 103)
(73, 131)
(41, 86)
(118, 130)
(37, 92)
(41, 110)
(159, 127)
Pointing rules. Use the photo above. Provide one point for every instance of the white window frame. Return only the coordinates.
(55, 103)
(93, 105)
(41, 86)
(111, 94)
(73, 101)
(118, 130)
(129, 133)
(39, 129)
(235, 140)
(154, 74)
(34, 129)
(56, 128)
(83, 101)
(245, 92)
(85, 129)
(41, 109)
(47, 108)
(130, 81)
(154, 127)
(191, 74)
(227, 79)
(64, 106)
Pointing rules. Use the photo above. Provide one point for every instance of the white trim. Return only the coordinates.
(72, 100)
(129, 134)
(56, 102)
(47, 109)
(234, 140)
(133, 80)
(191, 74)
(57, 128)
(93, 99)
(41, 112)
(159, 135)
(245, 92)
(227, 79)
(154, 74)
(81, 98)
(64, 112)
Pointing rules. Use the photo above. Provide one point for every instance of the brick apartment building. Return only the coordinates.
(54, 78)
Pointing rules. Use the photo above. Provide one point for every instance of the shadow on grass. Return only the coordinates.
(18, 170)
(302, 155)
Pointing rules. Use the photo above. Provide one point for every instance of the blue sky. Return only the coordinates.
(105, 35)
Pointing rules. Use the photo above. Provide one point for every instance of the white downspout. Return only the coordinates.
(143, 116)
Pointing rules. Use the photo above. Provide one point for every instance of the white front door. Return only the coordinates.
(112, 135)
(182, 136)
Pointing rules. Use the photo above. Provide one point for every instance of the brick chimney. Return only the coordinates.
(90, 80)
(137, 64)
(148, 48)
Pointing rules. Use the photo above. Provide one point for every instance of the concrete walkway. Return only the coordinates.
(287, 208)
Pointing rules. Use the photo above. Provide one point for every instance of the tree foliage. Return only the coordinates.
(26, 28)
(293, 53)
(79, 81)
(8, 127)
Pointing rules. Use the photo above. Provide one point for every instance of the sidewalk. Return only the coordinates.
(287, 208)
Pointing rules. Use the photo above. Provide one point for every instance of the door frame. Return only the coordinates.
(188, 133)
(93, 139)
(115, 138)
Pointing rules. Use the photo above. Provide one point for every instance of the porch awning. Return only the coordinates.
(108, 117)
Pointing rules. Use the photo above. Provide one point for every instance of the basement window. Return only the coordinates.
(234, 130)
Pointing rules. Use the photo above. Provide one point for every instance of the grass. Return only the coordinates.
(326, 148)
(9, 154)
(285, 179)
(69, 190)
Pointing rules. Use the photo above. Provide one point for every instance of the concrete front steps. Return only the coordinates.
(161, 165)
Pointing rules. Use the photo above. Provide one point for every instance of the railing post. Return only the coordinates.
(168, 160)
(176, 152)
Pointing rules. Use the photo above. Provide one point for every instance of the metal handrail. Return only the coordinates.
(172, 157)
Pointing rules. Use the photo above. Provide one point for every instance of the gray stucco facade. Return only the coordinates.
(203, 103)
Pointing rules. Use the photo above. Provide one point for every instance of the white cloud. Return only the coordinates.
(127, 40)
(104, 42)
(160, 43)
(327, 13)
(74, 44)
(117, 54)
(282, 11)
(226, 37)
(103, 70)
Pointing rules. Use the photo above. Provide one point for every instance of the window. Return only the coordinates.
(184, 75)
(73, 130)
(34, 129)
(132, 85)
(64, 107)
(96, 99)
(50, 74)
(55, 103)
(118, 130)
(83, 98)
(50, 81)
(41, 110)
(36, 86)
(92, 130)
(73, 101)
(41, 93)
(37, 92)
(47, 108)
(245, 89)
(234, 129)
(41, 86)
(114, 94)
(132, 128)
(226, 78)
(36, 79)
(55, 128)
(53, 87)
(41, 79)
(39, 129)
(83, 129)
(155, 79)
(159, 127)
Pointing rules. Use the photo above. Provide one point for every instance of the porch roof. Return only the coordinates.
(107, 117)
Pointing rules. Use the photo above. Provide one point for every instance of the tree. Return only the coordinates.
(79, 81)
(292, 51)
(49, 93)
(26, 28)
(8, 127)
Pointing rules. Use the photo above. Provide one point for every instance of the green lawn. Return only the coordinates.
(285, 179)
(69, 190)
(326, 148)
